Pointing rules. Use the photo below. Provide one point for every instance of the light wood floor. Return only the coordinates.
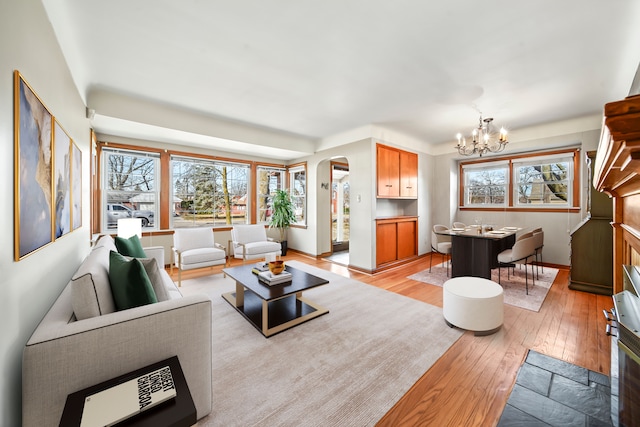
(469, 385)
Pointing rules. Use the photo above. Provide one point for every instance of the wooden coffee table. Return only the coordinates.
(273, 309)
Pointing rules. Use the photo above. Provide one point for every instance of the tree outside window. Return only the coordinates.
(298, 192)
(209, 193)
(486, 186)
(269, 180)
(543, 181)
(131, 191)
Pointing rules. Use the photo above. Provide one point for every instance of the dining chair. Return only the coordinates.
(538, 234)
(441, 244)
(521, 252)
(457, 224)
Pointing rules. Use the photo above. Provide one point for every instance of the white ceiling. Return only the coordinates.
(312, 69)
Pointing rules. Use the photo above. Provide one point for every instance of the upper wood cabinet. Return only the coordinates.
(397, 173)
(408, 175)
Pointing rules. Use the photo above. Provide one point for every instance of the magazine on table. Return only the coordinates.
(117, 403)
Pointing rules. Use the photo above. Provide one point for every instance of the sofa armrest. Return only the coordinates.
(156, 252)
(61, 358)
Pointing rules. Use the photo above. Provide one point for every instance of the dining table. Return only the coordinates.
(475, 249)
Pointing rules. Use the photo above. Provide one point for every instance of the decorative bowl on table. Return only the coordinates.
(276, 267)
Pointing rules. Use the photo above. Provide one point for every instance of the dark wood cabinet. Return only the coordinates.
(592, 245)
(617, 174)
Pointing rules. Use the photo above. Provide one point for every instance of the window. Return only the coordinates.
(298, 192)
(130, 187)
(269, 180)
(486, 184)
(209, 192)
(543, 181)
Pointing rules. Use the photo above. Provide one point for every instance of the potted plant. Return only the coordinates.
(283, 215)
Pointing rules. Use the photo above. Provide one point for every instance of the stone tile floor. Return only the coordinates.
(551, 392)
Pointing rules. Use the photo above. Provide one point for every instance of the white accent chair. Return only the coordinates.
(196, 248)
(457, 224)
(440, 244)
(250, 241)
(522, 252)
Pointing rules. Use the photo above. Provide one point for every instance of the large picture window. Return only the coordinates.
(543, 181)
(130, 187)
(209, 192)
(178, 189)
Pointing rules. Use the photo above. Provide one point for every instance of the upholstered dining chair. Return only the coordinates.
(440, 244)
(457, 224)
(538, 234)
(522, 252)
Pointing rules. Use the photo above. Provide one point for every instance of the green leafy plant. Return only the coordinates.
(283, 212)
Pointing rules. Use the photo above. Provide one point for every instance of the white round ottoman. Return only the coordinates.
(474, 304)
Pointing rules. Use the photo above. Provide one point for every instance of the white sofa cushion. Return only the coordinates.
(260, 248)
(196, 256)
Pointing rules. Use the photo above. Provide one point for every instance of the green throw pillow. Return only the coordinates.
(130, 284)
(130, 247)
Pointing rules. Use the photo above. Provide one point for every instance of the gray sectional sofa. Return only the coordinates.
(69, 352)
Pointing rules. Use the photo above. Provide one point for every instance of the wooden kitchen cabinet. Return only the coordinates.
(388, 171)
(408, 175)
(397, 173)
(396, 239)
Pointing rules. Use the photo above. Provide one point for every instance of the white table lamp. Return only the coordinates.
(127, 227)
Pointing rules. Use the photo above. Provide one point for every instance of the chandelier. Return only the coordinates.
(483, 140)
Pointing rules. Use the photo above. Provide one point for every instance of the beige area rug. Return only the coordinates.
(346, 368)
(514, 286)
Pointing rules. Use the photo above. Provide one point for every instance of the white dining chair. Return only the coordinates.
(441, 244)
(522, 252)
(538, 235)
(457, 224)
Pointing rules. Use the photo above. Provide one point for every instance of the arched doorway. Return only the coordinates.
(340, 211)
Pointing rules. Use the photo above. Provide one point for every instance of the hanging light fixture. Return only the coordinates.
(483, 140)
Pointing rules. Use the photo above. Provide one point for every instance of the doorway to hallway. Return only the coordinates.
(340, 212)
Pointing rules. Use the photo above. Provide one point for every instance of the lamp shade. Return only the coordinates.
(127, 227)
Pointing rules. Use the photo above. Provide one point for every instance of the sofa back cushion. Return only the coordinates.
(91, 292)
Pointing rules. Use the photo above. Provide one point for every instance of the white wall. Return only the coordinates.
(315, 239)
(29, 287)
